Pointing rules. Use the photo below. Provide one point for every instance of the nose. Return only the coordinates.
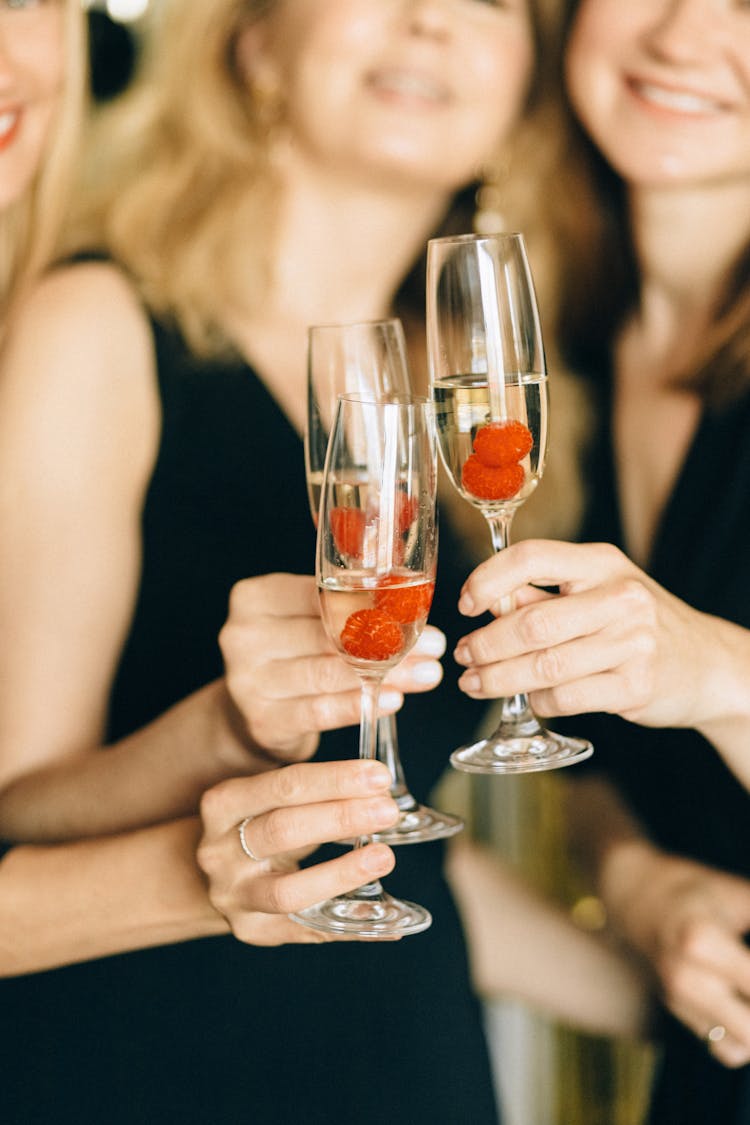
(428, 18)
(682, 30)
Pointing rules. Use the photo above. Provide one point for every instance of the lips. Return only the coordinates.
(676, 100)
(408, 84)
(10, 120)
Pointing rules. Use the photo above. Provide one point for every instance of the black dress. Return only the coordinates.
(678, 785)
(213, 1032)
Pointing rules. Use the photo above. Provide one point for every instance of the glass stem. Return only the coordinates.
(387, 753)
(368, 749)
(499, 524)
(516, 716)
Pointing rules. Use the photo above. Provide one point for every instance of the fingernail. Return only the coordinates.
(470, 681)
(383, 813)
(390, 700)
(466, 603)
(431, 643)
(428, 673)
(375, 776)
(462, 654)
(376, 857)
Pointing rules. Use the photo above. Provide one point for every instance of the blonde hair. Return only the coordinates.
(178, 168)
(30, 227)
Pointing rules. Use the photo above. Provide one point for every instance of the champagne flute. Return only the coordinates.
(375, 589)
(367, 358)
(489, 386)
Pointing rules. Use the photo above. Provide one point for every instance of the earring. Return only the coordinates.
(489, 216)
(266, 102)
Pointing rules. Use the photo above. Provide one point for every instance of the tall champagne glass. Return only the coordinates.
(375, 586)
(489, 385)
(369, 358)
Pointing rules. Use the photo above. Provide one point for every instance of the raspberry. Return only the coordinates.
(370, 634)
(488, 483)
(502, 443)
(348, 530)
(407, 603)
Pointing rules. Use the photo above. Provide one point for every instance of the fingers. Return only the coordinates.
(227, 803)
(286, 811)
(420, 670)
(570, 566)
(287, 892)
(276, 595)
(283, 831)
(703, 1001)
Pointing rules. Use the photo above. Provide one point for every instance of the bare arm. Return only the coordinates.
(71, 902)
(523, 945)
(79, 424)
(685, 920)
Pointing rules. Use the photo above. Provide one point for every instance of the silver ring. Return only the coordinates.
(715, 1034)
(243, 842)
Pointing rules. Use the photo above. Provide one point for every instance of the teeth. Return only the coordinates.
(7, 121)
(682, 102)
(408, 85)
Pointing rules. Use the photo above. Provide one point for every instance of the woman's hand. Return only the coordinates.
(611, 640)
(284, 675)
(292, 810)
(688, 922)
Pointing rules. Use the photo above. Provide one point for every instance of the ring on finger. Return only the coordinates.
(243, 839)
(715, 1034)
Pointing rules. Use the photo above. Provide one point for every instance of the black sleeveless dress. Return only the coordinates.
(677, 784)
(213, 1032)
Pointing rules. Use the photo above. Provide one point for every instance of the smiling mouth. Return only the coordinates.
(407, 84)
(676, 101)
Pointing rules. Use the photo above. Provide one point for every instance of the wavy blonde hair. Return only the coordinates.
(178, 170)
(30, 227)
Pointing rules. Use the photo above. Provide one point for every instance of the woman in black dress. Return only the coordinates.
(285, 166)
(60, 903)
(653, 629)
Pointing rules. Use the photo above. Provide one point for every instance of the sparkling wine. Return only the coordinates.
(463, 406)
(375, 620)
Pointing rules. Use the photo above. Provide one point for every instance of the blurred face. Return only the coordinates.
(422, 89)
(663, 87)
(31, 78)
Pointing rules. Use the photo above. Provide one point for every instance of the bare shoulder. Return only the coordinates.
(87, 308)
(80, 353)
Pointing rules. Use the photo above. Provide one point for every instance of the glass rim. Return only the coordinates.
(507, 236)
(385, 320)
(369, 398)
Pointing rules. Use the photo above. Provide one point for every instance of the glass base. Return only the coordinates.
(365, 916)
(542, 750)
(419, 824)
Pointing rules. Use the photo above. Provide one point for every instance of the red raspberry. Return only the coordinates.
(502, 443)
(348, 530)
(488, 483)
(406, 604)
(370, 634)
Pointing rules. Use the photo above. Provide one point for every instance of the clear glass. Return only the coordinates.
(375, 568)
(367, 358)
(488, 378)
